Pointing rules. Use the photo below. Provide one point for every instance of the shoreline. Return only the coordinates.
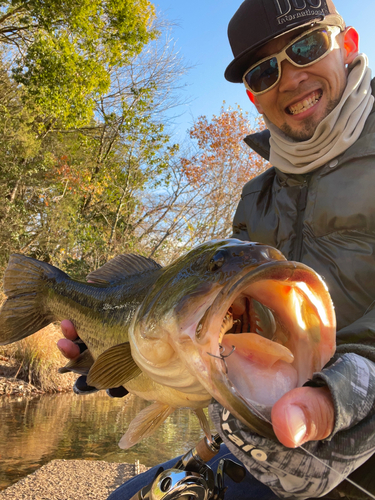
(72, 480)
(62, 479)
(11, 386)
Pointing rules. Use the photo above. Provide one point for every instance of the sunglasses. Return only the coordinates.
(307, 49)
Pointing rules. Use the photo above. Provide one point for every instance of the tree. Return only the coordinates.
(78, 196)
(219, 167)
(23, 165)
(205, 184)
(64, 51)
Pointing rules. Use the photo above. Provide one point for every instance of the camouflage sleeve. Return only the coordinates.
(317, 467)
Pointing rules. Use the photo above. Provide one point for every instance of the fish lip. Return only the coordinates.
(254, 415)
(257, 417)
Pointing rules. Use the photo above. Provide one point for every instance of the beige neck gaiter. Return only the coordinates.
(335, 134)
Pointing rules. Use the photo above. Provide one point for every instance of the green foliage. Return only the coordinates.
(76, 197)
(67, 49)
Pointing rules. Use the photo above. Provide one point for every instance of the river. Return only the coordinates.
(36, 430)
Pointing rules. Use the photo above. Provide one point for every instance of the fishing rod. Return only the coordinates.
(191, 477)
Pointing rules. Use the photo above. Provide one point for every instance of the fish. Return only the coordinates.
(230, 320)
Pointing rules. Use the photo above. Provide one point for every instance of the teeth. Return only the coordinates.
(226, 325)
(307, 103)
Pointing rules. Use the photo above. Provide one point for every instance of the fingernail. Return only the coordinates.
(296, 421)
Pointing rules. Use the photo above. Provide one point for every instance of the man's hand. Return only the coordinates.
(71, 350)
(303, 414)
(66, 346)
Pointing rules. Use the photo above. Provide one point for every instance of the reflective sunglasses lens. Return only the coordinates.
(263, 76)
(310, 48)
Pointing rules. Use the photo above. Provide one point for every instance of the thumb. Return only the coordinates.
(303, 414)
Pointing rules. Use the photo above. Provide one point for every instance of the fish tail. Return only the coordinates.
(25, 311)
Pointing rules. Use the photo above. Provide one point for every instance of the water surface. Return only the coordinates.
(34, 431)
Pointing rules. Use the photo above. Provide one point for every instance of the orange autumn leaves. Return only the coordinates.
(221, 150)
(217, 168)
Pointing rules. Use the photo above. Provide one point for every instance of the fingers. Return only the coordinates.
(68, 348)
(68, 329)
(303, 414)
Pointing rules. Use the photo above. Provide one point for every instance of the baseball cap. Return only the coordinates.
(258, 21)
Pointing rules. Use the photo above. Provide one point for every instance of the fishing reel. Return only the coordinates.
(191, 478)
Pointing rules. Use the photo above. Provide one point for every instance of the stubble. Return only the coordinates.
(309, 125)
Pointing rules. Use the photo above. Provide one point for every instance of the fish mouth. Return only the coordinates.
(265, 334)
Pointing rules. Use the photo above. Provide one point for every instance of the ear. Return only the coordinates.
(255, 101)
(351, 44)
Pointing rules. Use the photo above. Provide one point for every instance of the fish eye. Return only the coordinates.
(217, 261)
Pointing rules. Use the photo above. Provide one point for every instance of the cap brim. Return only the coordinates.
(243, 61)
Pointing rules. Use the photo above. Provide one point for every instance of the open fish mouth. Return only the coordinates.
(265, 334)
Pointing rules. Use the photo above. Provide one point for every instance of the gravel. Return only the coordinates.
(61, 479)
(72, 480)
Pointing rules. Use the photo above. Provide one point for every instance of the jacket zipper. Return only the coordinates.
(297, 252)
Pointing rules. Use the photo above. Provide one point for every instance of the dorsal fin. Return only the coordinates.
(145, 424)
(120, 267)
(113, 368)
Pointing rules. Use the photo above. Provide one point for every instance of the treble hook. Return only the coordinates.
(222, 357)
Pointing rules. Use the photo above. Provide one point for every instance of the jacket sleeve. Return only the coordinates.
(239, 227)
(359, 333)
(353, 365)
(317, 467)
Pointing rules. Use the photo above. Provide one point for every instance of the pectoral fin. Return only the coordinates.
(145, 424)
(113, 368)
(80, 365)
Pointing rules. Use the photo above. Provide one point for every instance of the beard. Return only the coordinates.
(310, 124)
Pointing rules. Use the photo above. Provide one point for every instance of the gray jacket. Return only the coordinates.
(325, 219)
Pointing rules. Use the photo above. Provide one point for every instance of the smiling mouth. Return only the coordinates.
(305, 104)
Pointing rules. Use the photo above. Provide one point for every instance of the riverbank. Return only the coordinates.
(11, 385)
(30, 367)
(72, 480)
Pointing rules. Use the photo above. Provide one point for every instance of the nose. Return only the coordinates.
(291, 76)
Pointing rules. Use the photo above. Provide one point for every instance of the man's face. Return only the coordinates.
(303, 96)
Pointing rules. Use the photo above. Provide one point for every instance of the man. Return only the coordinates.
(303, 73)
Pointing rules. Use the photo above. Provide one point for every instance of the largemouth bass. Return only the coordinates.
(230, 319)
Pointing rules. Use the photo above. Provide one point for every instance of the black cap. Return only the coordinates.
(258, 21)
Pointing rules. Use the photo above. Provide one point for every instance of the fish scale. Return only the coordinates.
(160, 332)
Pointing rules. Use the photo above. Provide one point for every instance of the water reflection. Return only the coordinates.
(65, 426)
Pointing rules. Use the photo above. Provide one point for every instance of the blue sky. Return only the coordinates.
(200, 34)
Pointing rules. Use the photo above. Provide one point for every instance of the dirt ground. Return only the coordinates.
(72, 480)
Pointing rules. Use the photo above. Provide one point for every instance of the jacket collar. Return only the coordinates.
(260, 141)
